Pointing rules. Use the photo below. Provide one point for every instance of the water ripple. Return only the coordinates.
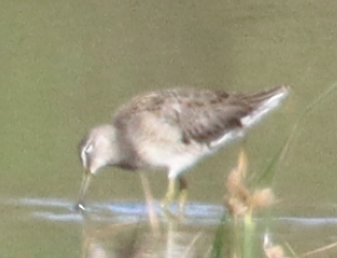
(54, 209)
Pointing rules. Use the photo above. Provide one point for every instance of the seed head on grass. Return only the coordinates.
(240, 200)
(271, 250)
(275, 252)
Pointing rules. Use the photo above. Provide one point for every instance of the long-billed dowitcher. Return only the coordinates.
(172, 129)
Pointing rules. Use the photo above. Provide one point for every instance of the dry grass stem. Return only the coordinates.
(191, 245)
(322, 249)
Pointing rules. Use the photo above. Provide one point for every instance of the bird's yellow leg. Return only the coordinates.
(182, 193)
(170, 194)
(182, 199)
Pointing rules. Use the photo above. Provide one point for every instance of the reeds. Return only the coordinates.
(241, 203)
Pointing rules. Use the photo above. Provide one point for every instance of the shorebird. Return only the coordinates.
(171, 130)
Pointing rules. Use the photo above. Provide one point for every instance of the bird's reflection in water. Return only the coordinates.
(174, 238)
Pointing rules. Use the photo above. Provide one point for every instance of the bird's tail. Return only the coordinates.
(262, 102)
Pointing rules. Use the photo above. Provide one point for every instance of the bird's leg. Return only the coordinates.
(182, 192)
(170, 194)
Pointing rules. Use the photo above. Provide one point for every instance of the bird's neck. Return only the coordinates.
(126, 157)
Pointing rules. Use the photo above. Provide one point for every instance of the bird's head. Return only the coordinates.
(96, 150)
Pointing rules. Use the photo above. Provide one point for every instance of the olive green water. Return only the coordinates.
(65, 66)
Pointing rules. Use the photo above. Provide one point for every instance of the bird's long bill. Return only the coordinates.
(84, 186)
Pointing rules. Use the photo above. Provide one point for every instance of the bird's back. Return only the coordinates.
(201, 115)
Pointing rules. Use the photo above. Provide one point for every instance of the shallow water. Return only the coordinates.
(102, 227)
(67, 65)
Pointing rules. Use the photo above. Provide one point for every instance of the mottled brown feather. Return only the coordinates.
(202, 115)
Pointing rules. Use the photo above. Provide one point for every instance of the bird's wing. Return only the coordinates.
(208, 115)
(200, 115)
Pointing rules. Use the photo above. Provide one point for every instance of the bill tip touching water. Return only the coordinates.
(171, 130)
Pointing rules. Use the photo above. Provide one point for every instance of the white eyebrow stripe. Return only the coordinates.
(84, 154)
